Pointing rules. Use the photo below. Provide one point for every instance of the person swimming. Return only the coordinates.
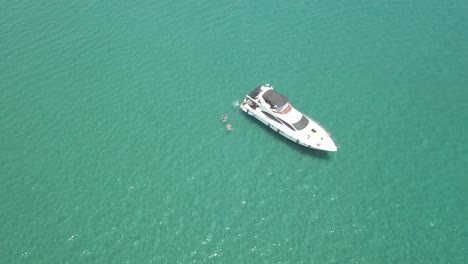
(229, 127)
(224, 118)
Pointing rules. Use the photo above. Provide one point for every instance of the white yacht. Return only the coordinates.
(274, 110)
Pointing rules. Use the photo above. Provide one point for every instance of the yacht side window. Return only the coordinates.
(288, 125)
(271, 117)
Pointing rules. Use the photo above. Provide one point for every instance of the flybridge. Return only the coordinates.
(274, 98)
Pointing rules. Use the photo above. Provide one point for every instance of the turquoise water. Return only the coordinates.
(112, 149)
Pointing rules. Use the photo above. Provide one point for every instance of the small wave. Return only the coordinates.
(235, 104)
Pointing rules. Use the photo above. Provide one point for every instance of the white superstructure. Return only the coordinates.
(274, 110)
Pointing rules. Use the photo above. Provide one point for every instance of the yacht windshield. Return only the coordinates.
(301, 124)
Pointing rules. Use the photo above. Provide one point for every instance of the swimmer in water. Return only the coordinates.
(229, 127)
(224, 118)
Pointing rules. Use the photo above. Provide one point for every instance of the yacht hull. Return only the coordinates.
(310, 135)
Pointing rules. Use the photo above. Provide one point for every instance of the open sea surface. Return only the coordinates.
(112, 148)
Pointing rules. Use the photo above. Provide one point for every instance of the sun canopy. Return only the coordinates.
(274, 98)
(254, 94)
